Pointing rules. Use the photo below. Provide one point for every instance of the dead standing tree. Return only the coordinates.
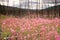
(0, 32)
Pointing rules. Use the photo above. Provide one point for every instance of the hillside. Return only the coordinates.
(19, 11)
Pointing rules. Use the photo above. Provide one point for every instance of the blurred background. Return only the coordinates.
(26, 7)
(30, 4)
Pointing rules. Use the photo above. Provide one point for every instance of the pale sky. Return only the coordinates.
(32, 4)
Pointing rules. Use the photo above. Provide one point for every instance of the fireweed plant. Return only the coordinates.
(30, 29)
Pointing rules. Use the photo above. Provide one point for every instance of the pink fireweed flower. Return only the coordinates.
(56, 34)
(25, 37)
(49, 35)
(12, 30)
(28, 35)
(43, 29)
(57, 38)
(3, 23)
(22, 29)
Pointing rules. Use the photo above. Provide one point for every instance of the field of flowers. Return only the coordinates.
(12, 28)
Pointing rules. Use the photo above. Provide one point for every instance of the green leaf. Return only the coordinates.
(58, 30)
(2, 17)
(25, 33)
(5, 34)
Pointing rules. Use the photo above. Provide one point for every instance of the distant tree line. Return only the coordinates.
(49, 12)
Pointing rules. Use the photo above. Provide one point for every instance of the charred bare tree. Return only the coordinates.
(0, 32)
